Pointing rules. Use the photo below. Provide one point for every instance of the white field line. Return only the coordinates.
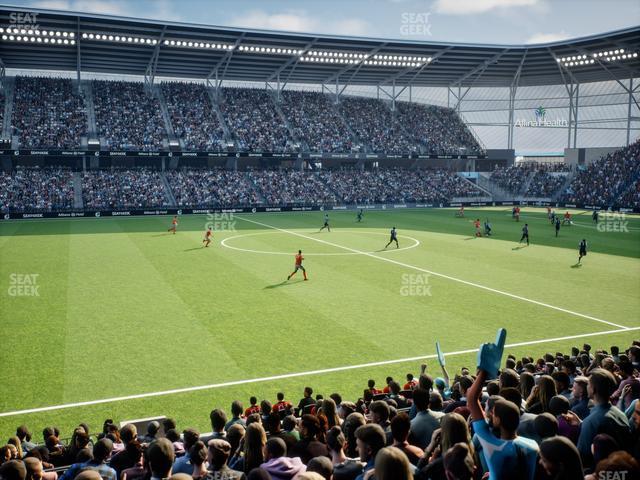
(264, 252)
(442, 275)
(298, 374)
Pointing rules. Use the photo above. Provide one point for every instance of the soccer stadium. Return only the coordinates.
(295, 246)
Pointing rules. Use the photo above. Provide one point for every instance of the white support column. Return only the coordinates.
(393, 97)
(512, 100)
(629, 111)
(575, 116)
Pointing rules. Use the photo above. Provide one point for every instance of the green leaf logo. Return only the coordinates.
(540, 113)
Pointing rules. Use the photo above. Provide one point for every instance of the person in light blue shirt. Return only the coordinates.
(101, 451)
(183, 464)
(506, 455)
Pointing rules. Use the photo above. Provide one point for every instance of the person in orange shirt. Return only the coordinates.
(253, 408)
(476, 224)
(281, 404)
(207, 237)
(174, 225)
(298, 266)
(567, 219)
(411, 384)
(517, 214)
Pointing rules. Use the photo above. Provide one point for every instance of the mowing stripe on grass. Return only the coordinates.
(441, 275)
(299, 374)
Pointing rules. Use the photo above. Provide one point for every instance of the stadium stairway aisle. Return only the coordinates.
(77, 191)
(167, 190)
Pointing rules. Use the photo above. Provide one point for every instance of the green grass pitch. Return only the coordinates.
(125, 308)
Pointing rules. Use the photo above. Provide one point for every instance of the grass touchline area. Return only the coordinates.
(131, 321)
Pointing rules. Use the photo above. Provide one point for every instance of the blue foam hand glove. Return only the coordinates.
(440, 354)
(490, 354)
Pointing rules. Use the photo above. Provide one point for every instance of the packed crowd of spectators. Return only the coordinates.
(113, 189)
(53, 189)
(550, 167)
(127, 116)
(48, 113)
(290, 186)
(373, 123)
(631, 198)
(192, 116)
(603, 181)
(422, 122)
(211, 187)
(512, 178)
(439, 129)
(561, 416)
(396, 185)
(316, 121)
(458, 131)
(252, 118)
(545, 184)
(36, 190)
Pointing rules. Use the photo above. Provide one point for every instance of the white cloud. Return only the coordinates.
(291, 21)
(473, 7)
(52, 4)
(163, 9)
(548, 37)
(299, 21)
(354, 27)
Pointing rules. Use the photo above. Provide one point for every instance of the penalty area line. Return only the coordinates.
(441, 275)
(298, 374)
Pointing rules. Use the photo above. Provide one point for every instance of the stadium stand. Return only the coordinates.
(193, 118)
(36, 190)
(211, 188)
(316, 121)
(511, 178)
(144, 188)
(632, 197)
(397, 185)
(140, 188)
(252, 117)
(288, 186)
(127, 116)
(604, 180)
(48, 113)
(51, 113)
(577, 412)
(439, 129)
(544, 184)
(375, 126)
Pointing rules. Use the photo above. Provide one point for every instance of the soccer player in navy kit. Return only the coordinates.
(583, 249)
(557, 226)
(326, 223)
(360, 216)
(525, 233)
(394, 238)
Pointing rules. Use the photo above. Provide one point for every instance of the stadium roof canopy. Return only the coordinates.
(54, 40)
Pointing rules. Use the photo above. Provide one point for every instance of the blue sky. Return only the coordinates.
(470, 21)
